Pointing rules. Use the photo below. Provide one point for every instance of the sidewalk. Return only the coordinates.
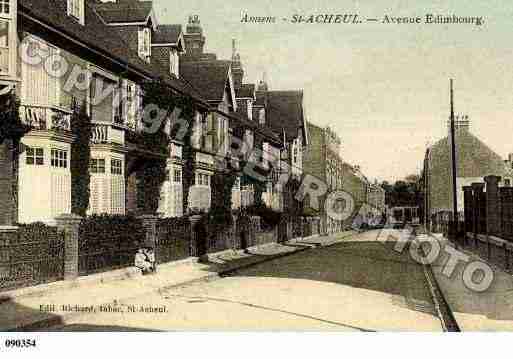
(491, 310)
(39, 309)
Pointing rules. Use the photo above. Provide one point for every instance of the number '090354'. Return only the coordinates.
(20, 343)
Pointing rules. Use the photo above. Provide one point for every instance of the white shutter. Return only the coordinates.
(118, 194)
(39, 88)
(140, 42)
(138, 104)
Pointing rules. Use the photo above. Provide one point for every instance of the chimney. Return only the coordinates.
(461, 122)
(193, 37)
(262, 84)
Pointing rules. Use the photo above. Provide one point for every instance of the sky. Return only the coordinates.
(384, 88)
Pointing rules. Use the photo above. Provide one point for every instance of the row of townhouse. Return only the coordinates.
(121, 45)
(323, 161)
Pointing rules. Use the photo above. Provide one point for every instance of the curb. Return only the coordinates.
(443, 309)
(59, 320)
(93, 279)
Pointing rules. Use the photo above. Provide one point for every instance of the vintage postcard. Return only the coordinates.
(255, 166)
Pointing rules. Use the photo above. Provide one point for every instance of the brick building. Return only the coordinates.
(323, 161)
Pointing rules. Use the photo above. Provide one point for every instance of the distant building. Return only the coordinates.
(323, 161)
(474, 159)
(355, 183)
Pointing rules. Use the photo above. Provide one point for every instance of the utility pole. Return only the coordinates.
(453, 165)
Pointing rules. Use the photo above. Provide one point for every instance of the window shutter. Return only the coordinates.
(140, 42)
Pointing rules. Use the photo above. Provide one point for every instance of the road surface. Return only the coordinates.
(357, 285)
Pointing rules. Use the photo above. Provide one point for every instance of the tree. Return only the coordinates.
(81, 128)
(407, 192)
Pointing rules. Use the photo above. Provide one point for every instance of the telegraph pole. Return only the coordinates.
(453, 165)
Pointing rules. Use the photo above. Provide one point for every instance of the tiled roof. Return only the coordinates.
(265, 131)
(98, 36)
(125, 11)
(474, 161)
(209, 77)
(284, 112)
(167, 34)
(205, 81)
(245, 91)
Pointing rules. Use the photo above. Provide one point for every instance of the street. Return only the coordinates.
(356, 285)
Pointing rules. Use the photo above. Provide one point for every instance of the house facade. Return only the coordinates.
(60, 55)
(63, 61)
(474, 160)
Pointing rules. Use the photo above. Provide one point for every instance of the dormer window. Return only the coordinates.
(145, 44)
(76, 9)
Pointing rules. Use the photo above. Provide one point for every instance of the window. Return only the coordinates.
(145, 44)
(173, 63)
(204, 131)
(59, 158)
(177, 176)
(119, 105)
(130, 103)
(236, 184)
(5, 7)
(97, 165)
(116, 166)
(202, 179)
(76, 9)
(4, 45)
(34, 156)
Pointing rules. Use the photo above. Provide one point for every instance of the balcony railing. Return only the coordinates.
(45, 118)
(204, 159)
(107, 134)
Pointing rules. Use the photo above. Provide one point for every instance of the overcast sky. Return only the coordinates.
(383, 88)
